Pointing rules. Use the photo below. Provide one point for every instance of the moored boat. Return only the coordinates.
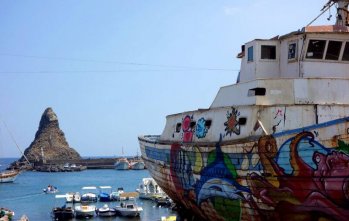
(122, 164)
(106, 211)
(8, 176)
(105, 193)
(128, 209)
(85, 211)
(149, 189)
(89, 194)
(137, 165)
(64, 212)
(273, 146)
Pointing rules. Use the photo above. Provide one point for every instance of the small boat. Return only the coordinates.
(77, 198)
(69, 197)
(106, 211)
(122, 164)
(169, 218)
(8, 176)
(4, 212)
(50, 189)
(116, 195)
(73, 197)
(83, 211)
(137, 165)
(89, 194)
(62, 213)
(105, 194)
(163, 201)
(149, 189)
(128, 209)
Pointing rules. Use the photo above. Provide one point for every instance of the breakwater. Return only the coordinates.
(72, 165)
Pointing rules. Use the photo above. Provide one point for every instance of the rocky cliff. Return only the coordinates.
(50, 142)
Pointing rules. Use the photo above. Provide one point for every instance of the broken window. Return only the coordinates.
(292, 51)
(333, 50)
(268, 52)
(316, 49)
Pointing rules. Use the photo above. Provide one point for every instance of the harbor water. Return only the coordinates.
(26, 196)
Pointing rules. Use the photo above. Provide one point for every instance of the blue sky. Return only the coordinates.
(113, 69)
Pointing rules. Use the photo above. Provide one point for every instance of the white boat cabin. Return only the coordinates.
(286, 82)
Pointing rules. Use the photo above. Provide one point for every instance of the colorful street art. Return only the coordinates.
(232, 123)
(201, 129)
(187, 129)
(301, 176)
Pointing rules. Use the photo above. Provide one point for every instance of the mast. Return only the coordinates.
(342, 12)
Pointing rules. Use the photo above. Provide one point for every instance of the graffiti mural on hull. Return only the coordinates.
(299, 176)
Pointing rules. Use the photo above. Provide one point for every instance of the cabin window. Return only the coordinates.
(258, 91)
(292, 50)
(250, 54)
(178, 127)
(316, 49)
(346, 52)
(208, 124)
(333, 50)
(268, 52)
(242, 120)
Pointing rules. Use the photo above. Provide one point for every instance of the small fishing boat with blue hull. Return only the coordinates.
(272, 146)
(105, 194)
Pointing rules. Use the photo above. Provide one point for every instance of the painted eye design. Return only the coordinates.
(317, 158)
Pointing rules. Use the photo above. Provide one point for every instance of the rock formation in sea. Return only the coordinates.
(49, 142)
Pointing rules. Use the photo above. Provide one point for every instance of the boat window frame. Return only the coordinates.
(263, 48)
(250, 54)
(339, 52)
(291, 59)
(323, 50)
(346, 44)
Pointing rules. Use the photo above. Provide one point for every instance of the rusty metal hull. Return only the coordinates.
(299, 174)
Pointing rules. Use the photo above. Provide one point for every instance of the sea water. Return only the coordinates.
(26, 196)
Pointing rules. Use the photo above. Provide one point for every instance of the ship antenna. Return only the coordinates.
(326, 7)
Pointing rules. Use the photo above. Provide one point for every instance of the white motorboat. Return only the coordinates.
(89, 194)
(8, 176)
(106, 211)
(83, 211)
(128, 209)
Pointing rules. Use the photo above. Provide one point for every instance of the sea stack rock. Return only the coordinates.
(50, 143)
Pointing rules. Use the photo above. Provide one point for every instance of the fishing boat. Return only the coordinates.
(106, 211)
(8, 176)
(128, 209)
(275, 144)
(122, 164)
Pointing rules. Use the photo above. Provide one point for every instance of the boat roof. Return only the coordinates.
(60, 196)
(89, 188)
(105, 187)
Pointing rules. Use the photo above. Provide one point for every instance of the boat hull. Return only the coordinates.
(122, 166)
(8, 176)
(296, 174)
